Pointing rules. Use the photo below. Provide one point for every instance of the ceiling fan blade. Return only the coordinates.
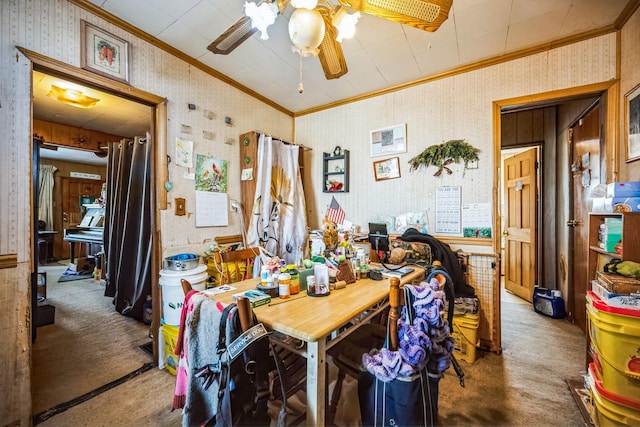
(331, 56)
(426, 15)
(233, 36)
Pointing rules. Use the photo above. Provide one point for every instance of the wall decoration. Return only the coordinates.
(448, 210)
(387, 169)
(387, 141)
(632, 124)
(103, 53)
(212, 209)
(453, 151)
(184, 153)
(476, 220)
(211, 174)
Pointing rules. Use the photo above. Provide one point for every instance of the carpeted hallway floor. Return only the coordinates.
(90, 344)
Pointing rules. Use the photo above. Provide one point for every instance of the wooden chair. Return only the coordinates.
(235, 266)
(347, 354)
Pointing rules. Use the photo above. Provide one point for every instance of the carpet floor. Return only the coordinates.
(88, 345)
(524, 385)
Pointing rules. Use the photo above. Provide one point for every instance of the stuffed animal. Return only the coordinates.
(330, 235)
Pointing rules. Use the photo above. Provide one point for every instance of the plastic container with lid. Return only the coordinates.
(295, 279)
(284, 283)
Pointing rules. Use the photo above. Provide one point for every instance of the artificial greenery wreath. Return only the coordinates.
(442, 155)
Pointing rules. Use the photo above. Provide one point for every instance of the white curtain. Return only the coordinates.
(279, 220)
(45, 202)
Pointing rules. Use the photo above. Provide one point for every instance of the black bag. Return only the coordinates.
(404, 401)
(242, 374)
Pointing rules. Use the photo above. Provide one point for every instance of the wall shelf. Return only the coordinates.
(335, 171)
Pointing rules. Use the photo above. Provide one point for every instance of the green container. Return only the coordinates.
(613, 234)
(304, 273)
(295, 278)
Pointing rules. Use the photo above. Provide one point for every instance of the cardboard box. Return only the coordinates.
(256, 297)
(45, 314)
(625, 204)
(82, 264)
(623, 189)
(618, 284)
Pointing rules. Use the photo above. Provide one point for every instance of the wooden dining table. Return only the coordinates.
(311, 325)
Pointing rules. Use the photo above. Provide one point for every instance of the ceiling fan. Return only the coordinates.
(318, 25)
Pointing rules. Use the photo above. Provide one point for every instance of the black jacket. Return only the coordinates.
(443, 253)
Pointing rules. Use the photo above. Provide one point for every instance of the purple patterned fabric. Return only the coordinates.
(425, 342)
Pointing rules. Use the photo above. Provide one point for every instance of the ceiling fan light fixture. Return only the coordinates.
(345, 23)
(306, 31)
(305, 4)
(261, 16)
(71, 96)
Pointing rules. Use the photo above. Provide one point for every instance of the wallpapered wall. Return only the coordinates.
(629, 78)
(458, 107)
(52, 28)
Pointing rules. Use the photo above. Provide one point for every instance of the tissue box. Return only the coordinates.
(624, 189)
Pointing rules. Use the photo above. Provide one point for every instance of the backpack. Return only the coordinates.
(235, 379)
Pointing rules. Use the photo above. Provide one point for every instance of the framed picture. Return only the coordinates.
(104, 53)
(391, 140)
(387, 169)
(632, 123)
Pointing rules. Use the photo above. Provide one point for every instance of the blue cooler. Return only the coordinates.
(545, 302)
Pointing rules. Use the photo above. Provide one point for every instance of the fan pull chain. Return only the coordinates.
(300, 86)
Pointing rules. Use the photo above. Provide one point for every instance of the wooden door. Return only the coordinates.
(521, 224)
(585, 170)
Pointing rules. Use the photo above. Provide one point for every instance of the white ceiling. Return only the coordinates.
(381, 55)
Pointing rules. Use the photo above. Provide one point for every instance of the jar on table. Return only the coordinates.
(295, 279)
(284, 285)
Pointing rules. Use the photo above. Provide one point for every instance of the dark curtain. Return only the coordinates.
(127, 233)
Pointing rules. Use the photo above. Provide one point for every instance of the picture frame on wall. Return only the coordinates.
(632, 124)
(103, 53)
(386, 169)
(389, 140)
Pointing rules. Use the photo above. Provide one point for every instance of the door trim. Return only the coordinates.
(158, 132)
(611, 133)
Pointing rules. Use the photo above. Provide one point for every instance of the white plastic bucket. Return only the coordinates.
(172, 293)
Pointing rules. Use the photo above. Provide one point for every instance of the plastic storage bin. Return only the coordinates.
(546, 302)
(465, 335)
(168, 337)
(610, 409)
(615, 337)
(172, 293)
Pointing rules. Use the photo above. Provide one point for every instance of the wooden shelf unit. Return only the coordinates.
(630, 239)
(335, 167)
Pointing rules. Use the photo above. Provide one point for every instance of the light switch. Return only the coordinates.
(181, 209)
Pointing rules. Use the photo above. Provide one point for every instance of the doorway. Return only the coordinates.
(556, 261)
(157, 126)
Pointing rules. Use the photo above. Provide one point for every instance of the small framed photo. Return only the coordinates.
(387, 141)
(386, 169)
(632, 124)
(103, 53)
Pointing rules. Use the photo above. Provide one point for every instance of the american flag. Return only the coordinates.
(335, 212)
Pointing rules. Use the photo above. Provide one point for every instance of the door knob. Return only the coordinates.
(573, 223)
